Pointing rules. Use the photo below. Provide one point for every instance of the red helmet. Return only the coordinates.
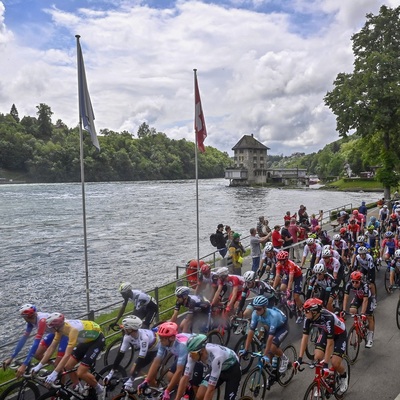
(313, 304)
(168, 329)
(205, 269)
(192, 263)
(342, 231)
(393, 216)
(317, 228)
(356, 276)
(282, 255)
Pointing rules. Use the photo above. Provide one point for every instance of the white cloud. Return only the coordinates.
(256, 73)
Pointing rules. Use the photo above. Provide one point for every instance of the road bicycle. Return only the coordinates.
(388, 287)
(324, 385)
(25, 389)
(218, 327)
(64, 391)
(263, 376)
(357, 333)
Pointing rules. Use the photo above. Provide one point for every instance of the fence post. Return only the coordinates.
(156, 295)
(91, 315)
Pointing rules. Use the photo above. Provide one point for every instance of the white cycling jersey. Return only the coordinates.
(146, 340)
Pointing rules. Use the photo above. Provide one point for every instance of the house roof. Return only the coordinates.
(248, 142)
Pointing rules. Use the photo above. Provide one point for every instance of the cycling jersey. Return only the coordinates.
(220, 359)
(332, 265)
(211, 279)
(147, 340)
(360, 292)
(288, 267)
(312, 249)
(79, 331)
(260, 288)
(139, 299)
(383, 214)
(391, 245)
(193, 303)
(395, 264)
(178, 348)
(339, 245)
(328, 322)
(232, 281)
(273, 318)
(364, 263)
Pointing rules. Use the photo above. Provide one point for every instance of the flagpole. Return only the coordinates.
(83, 182)
(197, 183)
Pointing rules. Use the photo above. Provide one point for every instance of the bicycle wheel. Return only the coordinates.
(353, 345)
(255, 384)
(313, 393)
(24, 390)
(125, 396)
(398, 314)
(285, 377)
(54, 395)
(111, 352)
(312, 338)
(387, 280)
(166, 364)
(347, 369)
(215, 337)
(114, 385)
(247, 360)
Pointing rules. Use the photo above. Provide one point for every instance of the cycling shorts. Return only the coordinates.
(87, 353)
(47, 339)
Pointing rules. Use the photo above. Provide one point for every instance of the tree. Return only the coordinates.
(144, 130)
(368, 100)
(14, 113)
(45, 128)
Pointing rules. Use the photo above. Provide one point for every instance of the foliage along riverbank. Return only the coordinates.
(355, 185)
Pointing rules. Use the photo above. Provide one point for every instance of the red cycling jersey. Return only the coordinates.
(288, 267)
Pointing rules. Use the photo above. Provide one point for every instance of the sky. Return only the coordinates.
(263, 66)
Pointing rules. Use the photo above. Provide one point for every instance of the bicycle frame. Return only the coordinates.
(322, 382)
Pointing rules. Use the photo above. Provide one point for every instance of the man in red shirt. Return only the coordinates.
(276, 237)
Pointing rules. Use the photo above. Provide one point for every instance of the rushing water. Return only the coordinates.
(136, 231)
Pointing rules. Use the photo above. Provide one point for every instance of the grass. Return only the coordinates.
(355, 184)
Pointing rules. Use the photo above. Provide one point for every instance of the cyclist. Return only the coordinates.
(389, 246)
(372, 236)
(292, 281)
(332, 265)
(323, 283)
(383, 217)
(144, 340)
(195, 305)
(374, 222)
(207, 282)
(393, 223)
(276, 327)
(313, 248)
(43, 338)
(170, 342)
(354, 230)
(145, 307)
(331, 342)
(340, 246)
(361, 242)
(85, 342)
(360, 218)
(233, 282)
(222, 364)
(394, 269)
(268, 261)
(259, 288)
(362, 298)
(365, 263)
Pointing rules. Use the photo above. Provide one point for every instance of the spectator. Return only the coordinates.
(260, 227)
(228, 234)
(363, 210)
(286, 236)
(276, 237)
(288, 217)
(235, 258)
(303, 216)
(221, 240)
(295, 232)
(255, 248)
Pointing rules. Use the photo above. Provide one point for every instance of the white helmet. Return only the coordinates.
(125, 287)
(182, 291)
(310, 240)
(269, 246)
(361, 239)
(327, 247)
(319, 269)
(326, 253)
(397, 253)
(55, 320)
(249, 276)
(132, 322)
(336, 237)
(27, 310)
(362, 250)
(223, 271)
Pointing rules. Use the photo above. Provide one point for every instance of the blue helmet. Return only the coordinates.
(260, 301)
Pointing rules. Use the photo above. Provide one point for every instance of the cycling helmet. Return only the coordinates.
(310, 240)
(327, 247)
(336, 237)
(223, 271)
(313, 304)
(312, 235)
(249, 276)
(342, 231)
(125, 287)
(182, 291)
(326, 253)
(192, 264)
(384, 206)
(371, 227)
(319, 269)
(356, 276)
(269, 246)
(168, 329)
(27, 310)
(388, 234)
(397, 253)
(373, 219)
(55, 320)
(196, 342)
(282, 255)
(393, 216)
(362, 250)
(260, 301)
(360, 239)
(355, 212)
(205, 269)
(132, 322)
(317, 228)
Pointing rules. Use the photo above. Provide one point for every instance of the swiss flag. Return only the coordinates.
(199, 123)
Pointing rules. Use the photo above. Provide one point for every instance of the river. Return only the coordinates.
(136, 231)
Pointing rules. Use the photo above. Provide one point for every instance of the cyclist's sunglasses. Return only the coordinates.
(258, 308)
(195, 354)
(353, 282)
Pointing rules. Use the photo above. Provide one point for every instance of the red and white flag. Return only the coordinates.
(199, 123)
